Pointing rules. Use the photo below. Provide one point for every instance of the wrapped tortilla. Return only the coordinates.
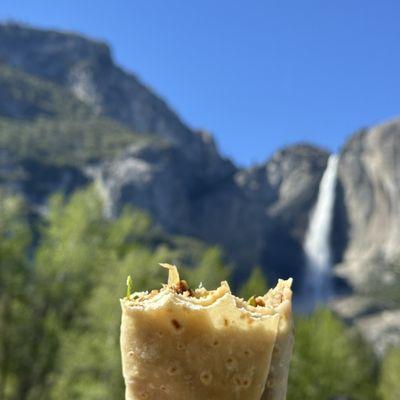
(280, 300)
(180, 344)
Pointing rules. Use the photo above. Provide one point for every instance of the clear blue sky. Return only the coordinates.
(258, 74)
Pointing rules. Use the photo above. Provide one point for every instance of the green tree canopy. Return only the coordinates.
(256, 284)
(210, 269)
(389, 380)
(329, 361)
(15, 288)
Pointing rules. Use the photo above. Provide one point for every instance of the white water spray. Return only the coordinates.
(317, 286)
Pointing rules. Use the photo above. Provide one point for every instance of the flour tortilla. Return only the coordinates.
(280, 299)
(209, 347)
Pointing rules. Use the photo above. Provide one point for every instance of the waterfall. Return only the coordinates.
(317, 286)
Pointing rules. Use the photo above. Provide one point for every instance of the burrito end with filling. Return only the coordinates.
(183, 344)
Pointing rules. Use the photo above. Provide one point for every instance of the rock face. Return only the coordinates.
(378, 325)
(255, 214)
(286, 188)
(369, 173)
(86, 68)
(367, 233)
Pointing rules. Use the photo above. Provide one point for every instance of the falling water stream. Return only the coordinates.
(317, 286)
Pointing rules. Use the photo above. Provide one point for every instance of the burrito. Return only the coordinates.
(184, 344)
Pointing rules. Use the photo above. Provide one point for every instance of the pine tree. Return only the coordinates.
(389, 380)
(329, 361)
(256, 284)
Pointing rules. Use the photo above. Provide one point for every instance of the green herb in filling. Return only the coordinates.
(252, 301)
(129, 286)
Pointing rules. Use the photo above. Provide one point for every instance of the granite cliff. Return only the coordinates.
(368, 218)
(369, 173)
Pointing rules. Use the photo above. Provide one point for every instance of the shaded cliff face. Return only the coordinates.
(258, 215)
(286, 187)
(369, 172)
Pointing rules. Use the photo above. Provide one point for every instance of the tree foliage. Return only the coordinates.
(14, 289)
(329, 361)
(210, 269)
(256, 284)
(389, 379)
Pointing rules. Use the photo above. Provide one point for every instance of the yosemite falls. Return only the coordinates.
(317, 280)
